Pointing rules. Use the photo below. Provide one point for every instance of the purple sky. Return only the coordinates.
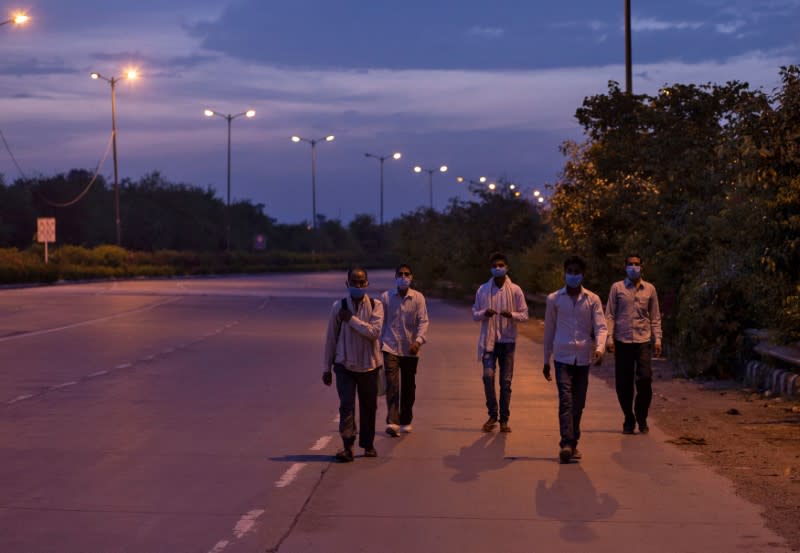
(486, 88)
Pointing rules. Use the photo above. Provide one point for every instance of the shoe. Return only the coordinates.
(392, 430)
(565, 454)
(407, 428)
(627, 429)
(489, 425)
(345, 455)
(644, 429)
(576, 454)
(504, 427)
(370, 452)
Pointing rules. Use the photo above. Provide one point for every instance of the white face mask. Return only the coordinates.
(499, 272)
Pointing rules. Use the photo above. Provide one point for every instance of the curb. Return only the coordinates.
(763, 376)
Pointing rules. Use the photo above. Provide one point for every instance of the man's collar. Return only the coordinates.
(629, 283)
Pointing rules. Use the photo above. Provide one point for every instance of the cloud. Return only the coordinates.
(487, 32)
(729, 28)
(653, 24)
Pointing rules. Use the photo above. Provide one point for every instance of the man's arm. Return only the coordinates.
(372, 328)
(330, 339)
(600, 329)
(478, 310)
(550, 315)
(422, 321)
(655, 322)
(611, 313)
(520, 313)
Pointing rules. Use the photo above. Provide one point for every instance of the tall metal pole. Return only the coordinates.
(382, 160)
(228, 205)
(628, 60)
(314, 183)
(113, 82)
(430, 183)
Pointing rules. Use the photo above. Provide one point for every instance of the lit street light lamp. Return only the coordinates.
(419, 169)
(396, 155)
(17, 19)
(313, 143)
(130, 74)
(229, 118)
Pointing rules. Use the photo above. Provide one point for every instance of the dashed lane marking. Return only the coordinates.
(321, 443)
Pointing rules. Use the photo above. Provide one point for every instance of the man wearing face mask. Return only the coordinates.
(634, 334)
(499, 306)
(575, 335)
(404, 327)
(352, 352)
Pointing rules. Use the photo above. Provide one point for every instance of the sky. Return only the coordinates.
(486, 88)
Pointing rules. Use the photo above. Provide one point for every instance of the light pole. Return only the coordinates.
(628, 59)
(17, 19)
(131, 74)
(419, 169)
(229, 118)
(313, 143)
(396, 155)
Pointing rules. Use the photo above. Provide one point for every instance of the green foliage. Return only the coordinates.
(704, 183)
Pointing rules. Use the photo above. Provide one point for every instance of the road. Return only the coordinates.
(188, 416)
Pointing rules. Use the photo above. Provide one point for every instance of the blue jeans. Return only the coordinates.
(572, 382)
(503, 355)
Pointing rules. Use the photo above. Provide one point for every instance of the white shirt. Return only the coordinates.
(498, 328)
(357, 346)
(405, 321)
(574, 330)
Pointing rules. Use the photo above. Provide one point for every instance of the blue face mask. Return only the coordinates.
(634, 272)
(499, 272)
(574, 281)
(403, 282)
(357, 293)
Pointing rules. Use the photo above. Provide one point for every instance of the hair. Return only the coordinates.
(497, 256)
(627, 257)
(352, 270)
(575, 260)
(404, 266)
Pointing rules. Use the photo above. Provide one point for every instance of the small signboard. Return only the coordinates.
(260, 242)
(46, 232)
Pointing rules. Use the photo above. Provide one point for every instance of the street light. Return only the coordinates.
(16, 19)
(419, 169)
(130, 74)
(229, 118)
(395, 156)
(313, 143)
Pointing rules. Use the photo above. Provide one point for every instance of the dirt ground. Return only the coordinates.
(751, 439)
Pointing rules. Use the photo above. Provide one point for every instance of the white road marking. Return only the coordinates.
(148, 358)
(85, 323)
(247, 523)
(220, 547)
(98, 373)
(321, 443)
(289, 476)
(124, 366)
(64, 385)
(20, 398)
(167, 351)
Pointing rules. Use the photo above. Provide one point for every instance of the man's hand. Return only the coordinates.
(610, 346)
(327, 378)
(489, 313)
(657, 349)
(597, 357)
(546, 372)
(345, 315)
(414, 349)
(506, 314)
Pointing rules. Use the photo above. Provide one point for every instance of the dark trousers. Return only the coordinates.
(572, 382)
(632, 366)
(348, 384)
(502, 355)
(401, 387)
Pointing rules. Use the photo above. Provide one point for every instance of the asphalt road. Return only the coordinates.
(188, 416)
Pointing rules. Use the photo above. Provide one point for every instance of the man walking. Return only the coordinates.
(352, 350)
(575, 335)
(404, 327)
(499, 306)
(634, 334)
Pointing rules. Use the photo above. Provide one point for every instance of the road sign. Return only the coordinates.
(46, 229)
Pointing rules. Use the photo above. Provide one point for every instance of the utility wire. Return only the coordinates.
(11, 154)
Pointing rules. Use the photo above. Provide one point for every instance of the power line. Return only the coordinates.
(11, 154)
